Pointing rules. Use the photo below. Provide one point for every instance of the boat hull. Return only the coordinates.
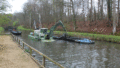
(75, 39)
(42, 39)
(16, 32)
(85, 42)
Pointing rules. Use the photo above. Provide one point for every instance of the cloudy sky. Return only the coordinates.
(16, 5)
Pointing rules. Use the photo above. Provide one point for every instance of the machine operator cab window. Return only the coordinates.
(43, 30)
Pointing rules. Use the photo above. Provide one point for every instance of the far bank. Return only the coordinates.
(101, 37)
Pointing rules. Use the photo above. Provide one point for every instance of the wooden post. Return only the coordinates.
(30, 51)
(14, 38)
(19, 41)
(23, 45)
(43, 61)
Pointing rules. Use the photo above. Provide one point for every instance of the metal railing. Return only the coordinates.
(44, 57)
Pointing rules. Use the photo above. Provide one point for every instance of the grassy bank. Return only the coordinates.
(1, 29)
(22, 28)
(109, 38)
(102, 37)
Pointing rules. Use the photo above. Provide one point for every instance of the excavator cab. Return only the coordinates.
(43, 30)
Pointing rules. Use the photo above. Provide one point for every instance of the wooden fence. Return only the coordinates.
(4, 34)
(44, 57)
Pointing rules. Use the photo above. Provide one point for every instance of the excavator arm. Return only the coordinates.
(53, 28)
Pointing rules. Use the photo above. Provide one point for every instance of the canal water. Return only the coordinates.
(76, 55)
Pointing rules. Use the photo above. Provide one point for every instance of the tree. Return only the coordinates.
(114, 16)
(4, 20)
(83, 11)
(66, 10)
(102, 10)
(91, 12)
(109, 5)
(3, 5)
(74, 15)
(14, 23)
(118, 13)
(98, 9)
(94, 14)
(88, 9)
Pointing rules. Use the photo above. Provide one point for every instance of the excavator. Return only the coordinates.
(42, 32)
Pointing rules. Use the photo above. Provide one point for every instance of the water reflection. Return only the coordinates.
(75, 55)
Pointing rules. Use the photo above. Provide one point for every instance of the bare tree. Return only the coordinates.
(109, 5)
(91, 12)
(83, 11)
(67, 11)
(98, 9)
(74, 15)
(102, 10)
(94, 14)
(114, 16)
(118, 13)
(88, 9)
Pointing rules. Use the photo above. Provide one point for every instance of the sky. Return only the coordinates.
(16, 5)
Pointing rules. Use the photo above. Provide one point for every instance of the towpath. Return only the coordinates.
(11, 56)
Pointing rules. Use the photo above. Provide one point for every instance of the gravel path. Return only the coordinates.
(11, 56)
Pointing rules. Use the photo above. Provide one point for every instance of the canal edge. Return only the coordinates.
(31, 48)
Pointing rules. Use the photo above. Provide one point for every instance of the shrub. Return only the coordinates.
(1, 29)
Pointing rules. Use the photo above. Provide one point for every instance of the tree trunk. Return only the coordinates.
(114, 17)
(91, 12)
(102, 10)
(94, 14)
(118, 14)
(83, 11)
(109, 9)
(88, 9)
(54, 11)
(98, 9)
(68, 15)
(74, 16)
(61, 9)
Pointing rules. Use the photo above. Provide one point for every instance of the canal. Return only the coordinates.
(76, 55)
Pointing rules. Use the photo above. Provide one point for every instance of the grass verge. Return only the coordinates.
(1, 29)
(102, 37)
(22, 28)
(109, 38)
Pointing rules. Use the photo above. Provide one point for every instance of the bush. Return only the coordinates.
(117, 34)
(14, 23)
(1, 29)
